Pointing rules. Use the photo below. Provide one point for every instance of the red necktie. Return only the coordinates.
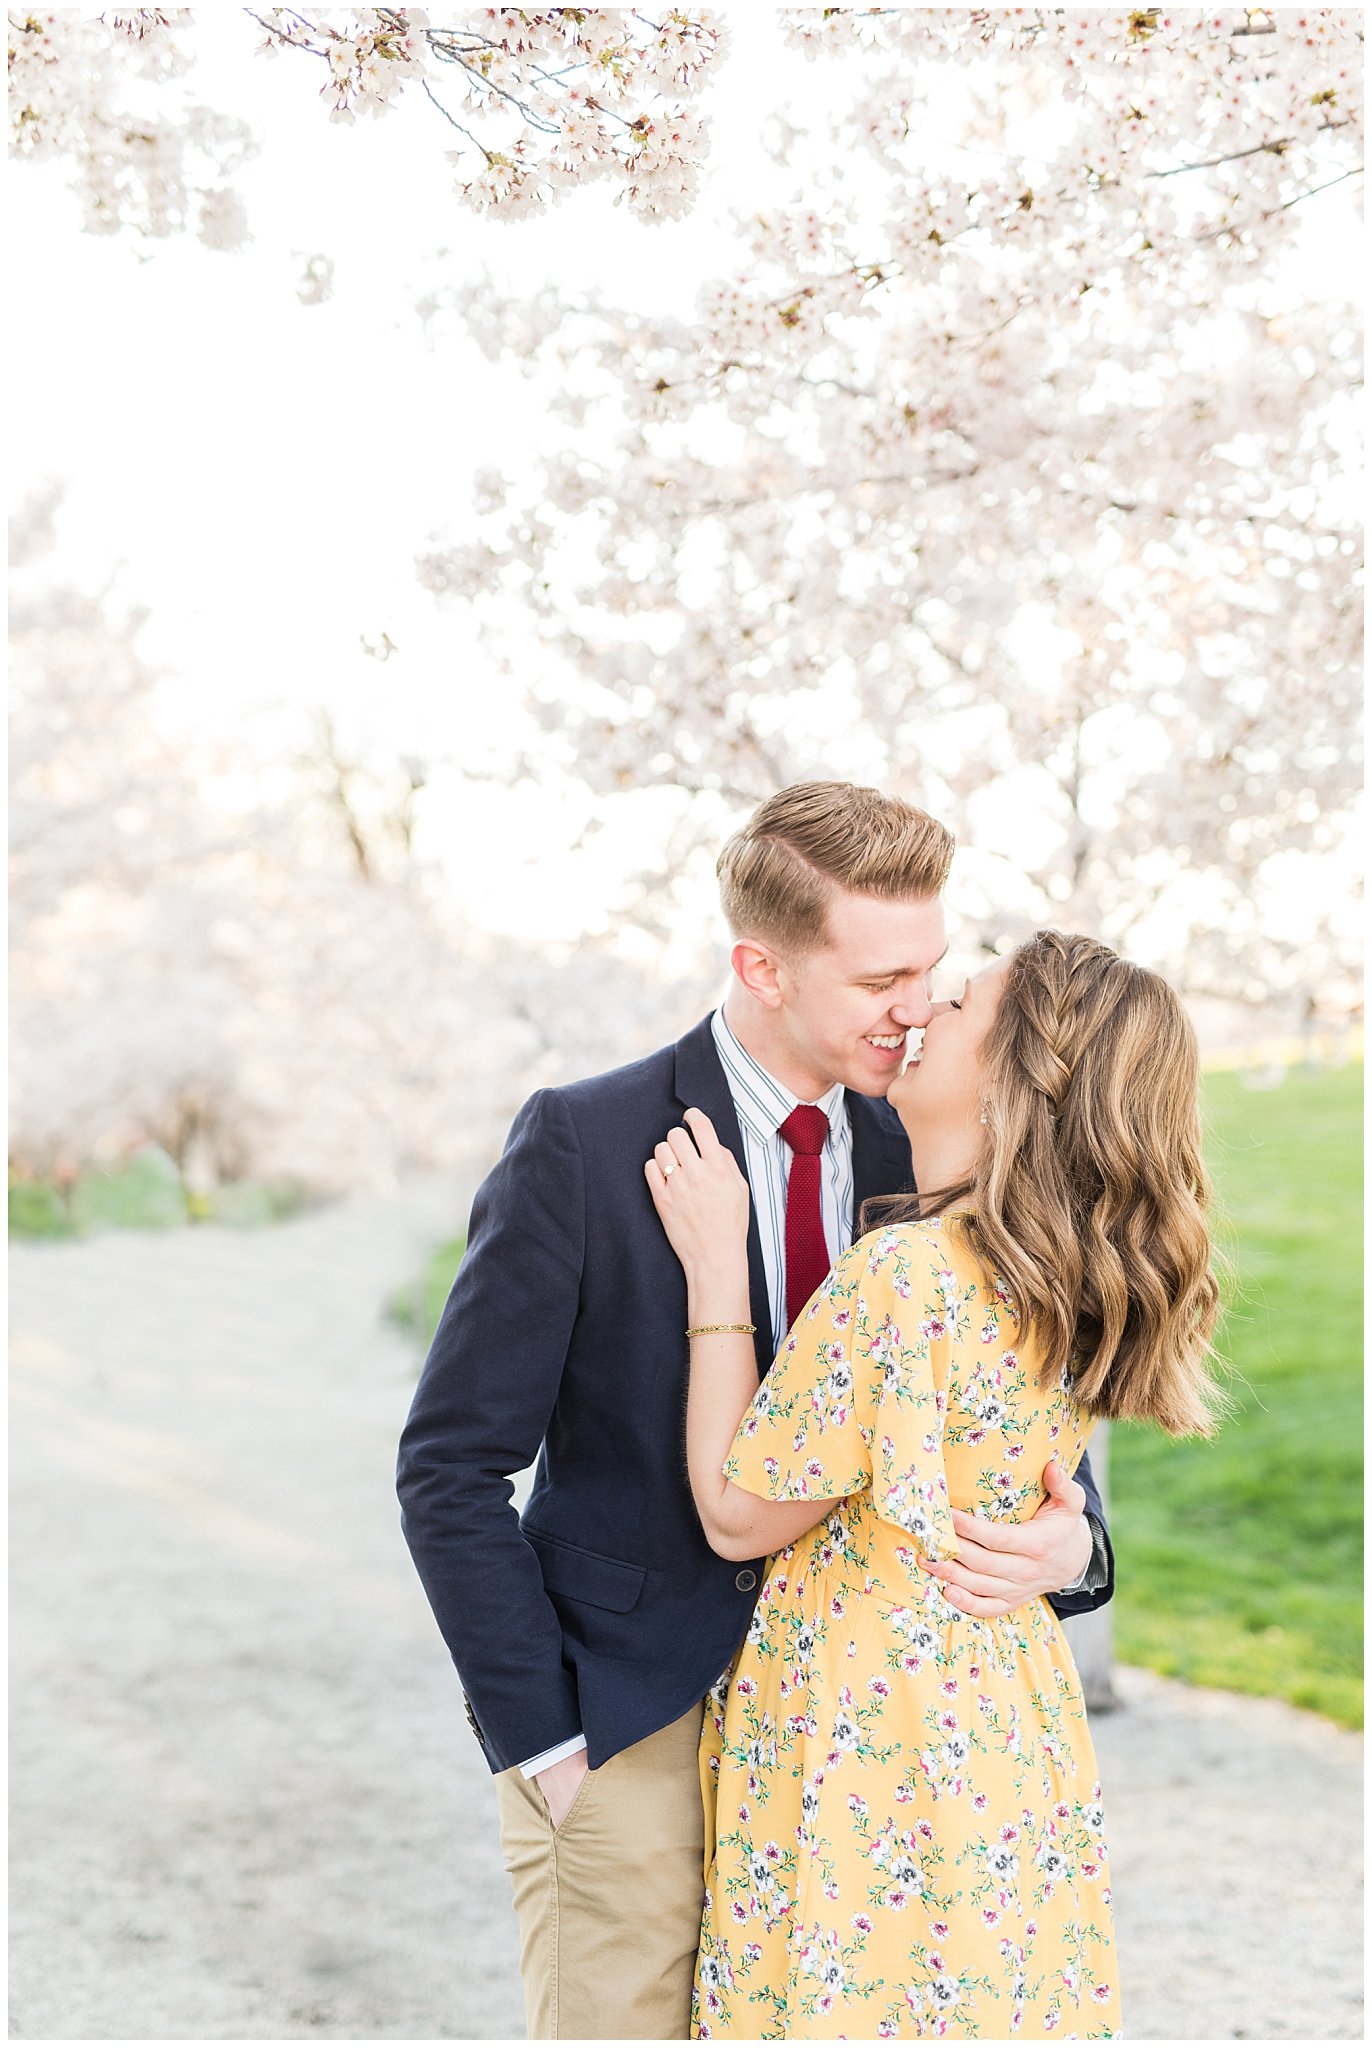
(807, 1255)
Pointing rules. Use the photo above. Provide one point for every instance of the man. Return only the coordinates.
(587, 1634)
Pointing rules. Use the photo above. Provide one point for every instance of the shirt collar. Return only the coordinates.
(761, 1101)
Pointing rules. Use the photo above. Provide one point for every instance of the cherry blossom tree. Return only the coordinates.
(119, 998)
(537, 103)
(107, 96)
(1011, 467)
(534, 104)
(248, 962)
(1009, 464)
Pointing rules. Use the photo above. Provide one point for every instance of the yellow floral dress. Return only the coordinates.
(903, 1829)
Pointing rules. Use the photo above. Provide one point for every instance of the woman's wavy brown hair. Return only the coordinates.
(1090, 1193)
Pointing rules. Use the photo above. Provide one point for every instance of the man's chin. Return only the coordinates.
(874, 1071)
(877, 1085)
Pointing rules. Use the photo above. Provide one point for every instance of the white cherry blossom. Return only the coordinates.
(106, 95)
(536, 103)
(1016, 476)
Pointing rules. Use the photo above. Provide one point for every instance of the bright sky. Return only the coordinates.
(260, 474)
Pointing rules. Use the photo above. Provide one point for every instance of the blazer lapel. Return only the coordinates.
(881, 1153)
(701, 1084)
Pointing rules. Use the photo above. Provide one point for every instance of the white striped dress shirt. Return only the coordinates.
(763, 1105)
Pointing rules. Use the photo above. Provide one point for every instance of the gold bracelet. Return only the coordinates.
(722, 1329)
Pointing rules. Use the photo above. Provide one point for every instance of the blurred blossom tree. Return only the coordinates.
(535, 104)
(266, 985)
(106, 94)
(1011, 469)
(119, 996)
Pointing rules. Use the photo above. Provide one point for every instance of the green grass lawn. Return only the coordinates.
(1240, 1560)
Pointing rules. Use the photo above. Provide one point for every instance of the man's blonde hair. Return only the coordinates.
(777, 874)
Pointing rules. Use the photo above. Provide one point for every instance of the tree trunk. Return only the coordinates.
(1092, 1636)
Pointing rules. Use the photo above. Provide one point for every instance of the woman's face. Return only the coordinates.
(941, 1087)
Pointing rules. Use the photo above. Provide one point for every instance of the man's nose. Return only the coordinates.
(915, 1014)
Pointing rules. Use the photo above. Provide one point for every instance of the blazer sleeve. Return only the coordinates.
(1090, 1596)
(479, 1415)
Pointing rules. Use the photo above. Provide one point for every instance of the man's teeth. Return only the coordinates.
(889, 1044)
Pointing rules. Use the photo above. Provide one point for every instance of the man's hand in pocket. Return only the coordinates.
(560, 1784)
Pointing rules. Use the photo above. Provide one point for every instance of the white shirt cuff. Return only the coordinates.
(1097, 1571)
(552, 1756)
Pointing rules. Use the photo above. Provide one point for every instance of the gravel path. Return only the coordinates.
(244, 1802)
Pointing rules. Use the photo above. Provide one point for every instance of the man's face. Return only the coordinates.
(844, 1009)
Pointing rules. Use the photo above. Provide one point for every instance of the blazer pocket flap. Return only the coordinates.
(579, 1574)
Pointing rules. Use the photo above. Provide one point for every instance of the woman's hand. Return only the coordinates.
(702, 1199)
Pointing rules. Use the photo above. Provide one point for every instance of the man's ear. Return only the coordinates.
(758, 968)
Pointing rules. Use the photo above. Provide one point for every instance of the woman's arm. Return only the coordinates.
(702, 1199)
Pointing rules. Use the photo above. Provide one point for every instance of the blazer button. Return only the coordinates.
(746, 1581)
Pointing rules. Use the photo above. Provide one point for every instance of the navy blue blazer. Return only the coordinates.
(603, 1609)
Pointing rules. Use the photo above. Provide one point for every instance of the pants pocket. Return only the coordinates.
(573, 1810)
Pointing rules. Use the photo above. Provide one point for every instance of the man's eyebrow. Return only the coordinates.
(900, 973)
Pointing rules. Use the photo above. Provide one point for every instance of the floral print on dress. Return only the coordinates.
(905, 1829)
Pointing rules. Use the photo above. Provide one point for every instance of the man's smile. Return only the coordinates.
(889, 1045)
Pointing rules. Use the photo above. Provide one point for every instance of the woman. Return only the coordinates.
(904, 1829)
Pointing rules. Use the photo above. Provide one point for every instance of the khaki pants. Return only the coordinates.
(609, 1904)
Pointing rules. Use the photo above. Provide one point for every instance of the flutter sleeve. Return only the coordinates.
(850, 1405)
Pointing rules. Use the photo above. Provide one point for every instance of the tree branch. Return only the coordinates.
(1311, 192)
(454, 123)
(1277, 148)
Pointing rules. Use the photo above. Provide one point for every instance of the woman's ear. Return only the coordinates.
(758, 968)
